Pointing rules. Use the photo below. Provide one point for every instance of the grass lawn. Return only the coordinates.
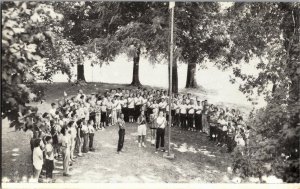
(196, 158)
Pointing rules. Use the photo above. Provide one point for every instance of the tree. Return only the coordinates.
(27, 30)
(269, 31)
(200, 34)
(142, 29)
(75, 16)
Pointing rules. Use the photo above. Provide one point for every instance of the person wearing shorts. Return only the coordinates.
(142, 129)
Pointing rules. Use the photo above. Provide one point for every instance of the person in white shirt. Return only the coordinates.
(72, 128)
(149, 109)
(138, 106)
(80, 96)
(119, 107)
(155, 108)
(198, 116)
(91, 132)
(131, 107)
(114, 117)
(37, 159)
(163, 105)
(160, 132)
(87, 111)
(190, 115)
(109, 105)
(103, 114)
(49, 155)
(183, 109)
(124, 107)
(65, 141)
(144, 101)
(98, 114)
(142, 130)
(52, 111)
(223, 122)
(177, 113)
(85, 132)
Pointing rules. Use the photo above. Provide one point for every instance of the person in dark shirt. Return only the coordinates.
(121, 124)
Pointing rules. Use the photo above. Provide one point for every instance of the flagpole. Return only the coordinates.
(171, 6)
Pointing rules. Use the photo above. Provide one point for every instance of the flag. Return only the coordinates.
(65, 94)
(171, 4)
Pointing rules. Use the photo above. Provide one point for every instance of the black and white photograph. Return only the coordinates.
(185, 92)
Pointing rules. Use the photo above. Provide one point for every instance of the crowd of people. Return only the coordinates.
(67, 129)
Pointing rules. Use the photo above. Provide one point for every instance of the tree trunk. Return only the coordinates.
(135, 74)
(80, 72)
(191, 73)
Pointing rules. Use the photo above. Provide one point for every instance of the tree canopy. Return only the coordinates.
(27, 31)
(269, 31)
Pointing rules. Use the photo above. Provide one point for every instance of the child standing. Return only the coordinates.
(109, 112)
(160, 132)
(152, 126)
(98, 115)
(121, 124)
(37, 159)
(183, 109)
(85, 132)
(65, 150)
(131, 107)
(49, 162)
(114, 111)
(103, 114)
(142, 129)
(91, 132)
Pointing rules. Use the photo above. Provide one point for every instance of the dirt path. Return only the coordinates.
(196, 159)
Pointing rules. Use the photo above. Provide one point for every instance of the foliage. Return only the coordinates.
(27, 29)
(268, 31)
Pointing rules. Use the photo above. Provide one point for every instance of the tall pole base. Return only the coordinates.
(168, 156)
